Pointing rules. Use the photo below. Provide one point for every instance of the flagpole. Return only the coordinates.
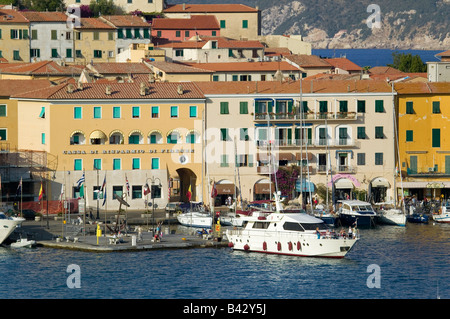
(21, 194)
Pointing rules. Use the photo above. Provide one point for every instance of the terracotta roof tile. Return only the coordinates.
(344, 64)
(125, 21)
(12, 16)
(177, 67)
(119, 68)
(93, 23)
(222, 42)
(245, 66)
(210, 8)
(13, 87)
(422, 87)
(40, 68)
(445, 53)
(308, 61)
(164, 90)
(46, 16)
(200, 22)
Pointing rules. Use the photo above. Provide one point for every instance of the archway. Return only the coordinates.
(186, 178)
(378, 189)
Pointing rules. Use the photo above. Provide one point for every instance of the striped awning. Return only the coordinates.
(116, 131)
(155, 132)
(76, 132)
(134, 132)
(97, 135)
(173, 131)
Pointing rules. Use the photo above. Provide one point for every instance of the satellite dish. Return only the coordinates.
(120, 199)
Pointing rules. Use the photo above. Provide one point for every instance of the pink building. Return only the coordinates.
(167, 30)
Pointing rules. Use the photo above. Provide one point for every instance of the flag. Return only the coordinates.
(189, 193)
(127, 185)
(146, 189)
(103, 190)
(62, 192)
(214, 191)
(81, 180)
(19, 188)
(41, 192)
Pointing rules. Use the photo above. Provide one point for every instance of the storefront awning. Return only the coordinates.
(304, 186)
(225, 189)
(264, 188)
(300, 156)
(285, 156)
(97, 135)
(343, 183)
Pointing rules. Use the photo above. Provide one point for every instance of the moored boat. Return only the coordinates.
(195, 219)
(8, 225)
(387, 214)
(443, 215)
(356, 212)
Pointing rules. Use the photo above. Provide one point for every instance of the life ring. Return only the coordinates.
(230, 244)
(299, 246)
(246, 247)
(279, 246)
(264, 246)
(290, 245)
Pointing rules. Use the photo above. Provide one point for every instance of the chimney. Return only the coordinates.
(151, 78)
(180, 89)
(108, 90)
(143, 89)
(70, 88)
(184, 6)
(79, 86)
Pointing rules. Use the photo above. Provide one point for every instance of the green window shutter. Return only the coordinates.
(42, 138)
(215, 78)
(155, 163)
(244, 134)
(77, 112)
(343, 106)
(12, 33)
(136, 112)
(361, 106)
(174, 111)
(54, 53)
(305, 106)
(323, 106)
(222, 24)
(224, 134)
(116, 112)
(436, 107)
(243, 107)
(16, 55)
(379, 106)
(97, 163)
(379, 132)
(77, 165)
(244, 24)
(153, 139)
(3, 110)
(68, 53)
(34, 34)
(155, 111)
(192, 111)
(54, 35)
(224, 108)
(0, 33)
(224, 161)
(409, 135)
(120, 33)
(234, 77)
(230, 53)
(20, 33)
(25, 34)
(289, 136)
(146, 34)
(409, 107)
(436, 137)
(97, 112)
(361, 132)
(177, 33)
(42, 114)
(129, 33)
(378, 158)
(136, 163)
(133, 139)
(3, 134)
(137, 34)
(412, 164)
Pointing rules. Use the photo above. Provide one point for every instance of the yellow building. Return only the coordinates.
(424, 146)
(94, 41)
(14, 36)
(127, 133)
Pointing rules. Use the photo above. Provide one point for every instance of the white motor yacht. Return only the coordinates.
(8, 225)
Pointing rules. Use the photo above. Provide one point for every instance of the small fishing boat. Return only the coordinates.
(356, 212)
(325, 215)
(443, 215)
(23, 243)
(416, 217)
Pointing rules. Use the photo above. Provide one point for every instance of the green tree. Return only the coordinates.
(408, 63)
(43, 5)
(104, 7)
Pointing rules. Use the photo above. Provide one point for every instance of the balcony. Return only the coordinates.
(309, 116)
(319, 143)
(428, 172)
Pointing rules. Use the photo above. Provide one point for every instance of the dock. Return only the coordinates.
(51, 233)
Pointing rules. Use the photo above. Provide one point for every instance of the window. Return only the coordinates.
(378, 158)
(224, 108)
(3, 110)
(158, 34)
(186, 34)
(191, 137)
(98, 54)
(96, 35)
(361, 106)
(172, 138)
(77, 164)
(361, 132)
(134, 139)
(409, 135)
(136, 163)
(174, 111)
(3, 135)
(343, 106)
(361, 158)
(116, 112)
(244, 24)
(54, 35)
(16, 55)
(178, 33)
(436, 107)
(234, 77)
(155, 112)
(323, 109)
(35, 53)
(117, 164)
(119, 33)
(136, 192)
(213, 33)
(97, 112)
(146, 34)
(224, 134)
(68, 53)
(78, 54)
(436, 137)
(42, 138)
(179, 52)
(244, 134)
(34, 35)
(379, 132)
(77, 112)
(155, 163)
(97, 163)
(215, 78)
(96, 191)
(224, 161)
(409, 107)
(129, 33)
(243, 107)
(379, 106)
(192, 111)
(222, 24)
(117, 191)
(54, 53)
(136, 112)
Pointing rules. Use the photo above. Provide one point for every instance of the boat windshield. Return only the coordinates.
(314, 226)
(363, 208)
(3, 216)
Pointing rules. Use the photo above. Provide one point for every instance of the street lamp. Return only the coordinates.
(152, 194)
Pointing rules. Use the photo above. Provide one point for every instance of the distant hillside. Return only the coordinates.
(405, 24)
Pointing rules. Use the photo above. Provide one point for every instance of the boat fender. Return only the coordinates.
(290, 245)
(246, 247)
(279, 246)
(264, 246)
(230, 244)
(299, 246)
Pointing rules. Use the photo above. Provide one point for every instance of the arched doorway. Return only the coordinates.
(186, 178)
(378, 190)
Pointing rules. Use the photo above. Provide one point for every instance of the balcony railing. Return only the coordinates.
(307, 116)
(321, 142)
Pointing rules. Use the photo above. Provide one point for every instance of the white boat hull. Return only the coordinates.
(23, 243)
(289, 243)
(195, 220)
(8, 225)
(441, 218)
(393, 217)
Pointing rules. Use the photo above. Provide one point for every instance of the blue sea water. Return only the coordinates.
(414, 263)
(374, 57)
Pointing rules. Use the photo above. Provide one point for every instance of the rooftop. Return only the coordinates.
(196, 22)
(176, 67)
(35, 16)
(209, 8)
(93, 23)
(118, 68)
(422, 88)
(125, 21)
(10, 87)
(39, 68)
(308, 61)
(244, 66)
(344, 64)
(11, 16)
(222, 42)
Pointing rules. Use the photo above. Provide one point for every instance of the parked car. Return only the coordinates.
(28, 214)
(173, 206)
